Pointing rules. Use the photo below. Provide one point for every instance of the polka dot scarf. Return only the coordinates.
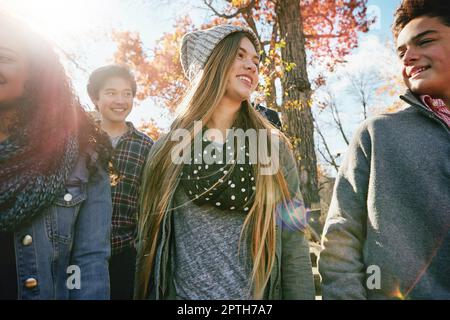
(227, 184)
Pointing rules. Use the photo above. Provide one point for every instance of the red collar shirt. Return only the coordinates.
(438, 107)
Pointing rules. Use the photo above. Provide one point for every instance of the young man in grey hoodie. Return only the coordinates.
(387, 230)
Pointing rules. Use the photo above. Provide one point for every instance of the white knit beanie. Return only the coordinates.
(197, 46)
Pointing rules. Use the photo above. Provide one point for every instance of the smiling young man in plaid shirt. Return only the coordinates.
(112, 89)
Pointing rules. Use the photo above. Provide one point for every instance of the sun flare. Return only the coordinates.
(56, 19)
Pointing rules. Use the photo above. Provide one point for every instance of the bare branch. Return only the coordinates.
(364, 85)
(331, 102)
(251, 22)
(338, 121)
(242, 10)
(330, 159)
(328, 35)
(71, 59)
(330, 162)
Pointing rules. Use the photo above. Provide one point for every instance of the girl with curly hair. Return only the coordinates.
(55, 205)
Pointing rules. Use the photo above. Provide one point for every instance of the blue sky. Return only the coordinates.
(386, 10)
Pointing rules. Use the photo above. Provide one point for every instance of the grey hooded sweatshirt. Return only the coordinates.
(387, 231)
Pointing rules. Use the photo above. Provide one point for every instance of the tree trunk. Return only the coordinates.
(271, 99)
(296, 112)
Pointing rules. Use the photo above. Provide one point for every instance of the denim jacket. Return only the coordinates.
(291, 277)
(64, 252)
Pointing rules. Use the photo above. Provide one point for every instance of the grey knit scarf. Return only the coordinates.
(26, 188)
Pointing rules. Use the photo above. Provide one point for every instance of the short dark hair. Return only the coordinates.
(412, 9)
(99, 76)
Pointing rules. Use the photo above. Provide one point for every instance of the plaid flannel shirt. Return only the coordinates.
(438, 107)
(129, 160)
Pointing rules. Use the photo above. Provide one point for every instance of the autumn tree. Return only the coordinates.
(294, 34)
(151, 129)
(158, 73)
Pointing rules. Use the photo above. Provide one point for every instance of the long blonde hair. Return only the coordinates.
(161, 174)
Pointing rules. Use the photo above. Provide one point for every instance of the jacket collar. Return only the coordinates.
(412, 99)
(131, 130)
(416, 102)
